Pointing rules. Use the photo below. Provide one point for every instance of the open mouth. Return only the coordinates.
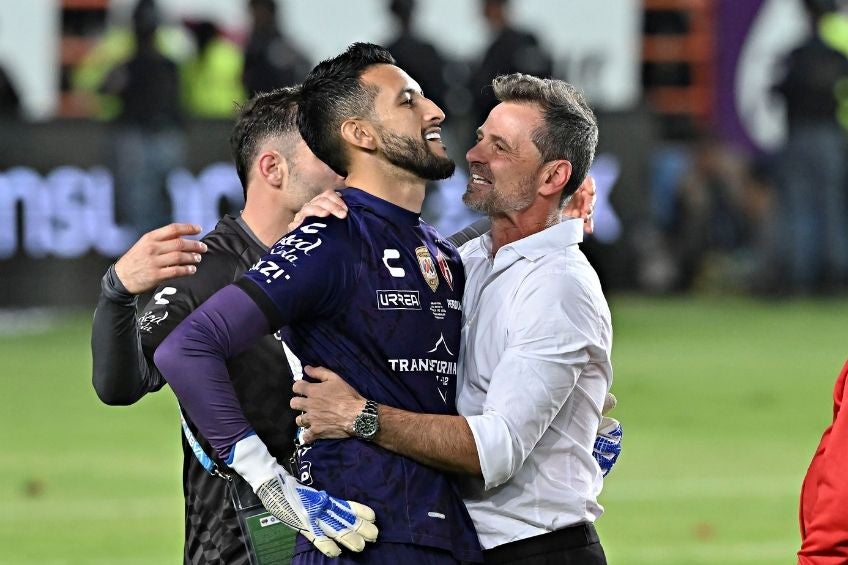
(434, 134)
(479, 180)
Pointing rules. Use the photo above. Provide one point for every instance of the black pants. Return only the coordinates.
(575, 545)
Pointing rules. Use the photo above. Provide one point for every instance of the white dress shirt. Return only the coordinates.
(533, 374)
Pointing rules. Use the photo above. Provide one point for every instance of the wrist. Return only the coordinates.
(113, 289)
(251, 459)
(366, 423)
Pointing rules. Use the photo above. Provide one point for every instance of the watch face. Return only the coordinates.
(365, 425)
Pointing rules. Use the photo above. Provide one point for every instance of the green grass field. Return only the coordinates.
(722, 402)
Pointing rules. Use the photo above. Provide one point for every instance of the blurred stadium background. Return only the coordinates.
(725, 355)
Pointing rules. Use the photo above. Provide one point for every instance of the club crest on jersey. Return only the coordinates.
(428, 267)
(445, 268)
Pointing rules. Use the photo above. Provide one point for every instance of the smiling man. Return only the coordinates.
(377, 296)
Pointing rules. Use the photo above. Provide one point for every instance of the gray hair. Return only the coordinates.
(569, 129)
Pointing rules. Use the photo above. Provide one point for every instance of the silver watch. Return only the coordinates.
(367, 424)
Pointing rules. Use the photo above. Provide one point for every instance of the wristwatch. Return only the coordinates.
(366, 424)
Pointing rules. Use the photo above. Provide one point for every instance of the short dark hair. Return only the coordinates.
(332, 93)
(569, 129)
(267, 114)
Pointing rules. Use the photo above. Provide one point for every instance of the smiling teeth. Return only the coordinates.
(433, 135)
(478, 179)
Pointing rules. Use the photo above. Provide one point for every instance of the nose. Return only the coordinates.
(433, 112)
(475, 154)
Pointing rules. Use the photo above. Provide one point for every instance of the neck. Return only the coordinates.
(388, 182)
(267, 219)
(512, 226)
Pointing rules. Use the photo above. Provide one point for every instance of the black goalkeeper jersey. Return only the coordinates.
(261, 377)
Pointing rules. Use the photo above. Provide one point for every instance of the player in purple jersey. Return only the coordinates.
(377, 295)
(536, 344)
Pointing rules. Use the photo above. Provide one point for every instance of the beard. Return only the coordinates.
(494, 202)
(414, 156)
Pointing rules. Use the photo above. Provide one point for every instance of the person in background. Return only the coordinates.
(148, 138)
(212, 86)
(278, 173)
(270, 58)
(812, 174)
(824, 494)
(511, 51)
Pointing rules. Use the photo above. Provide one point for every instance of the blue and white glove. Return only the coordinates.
(607, 444)
(321, 518)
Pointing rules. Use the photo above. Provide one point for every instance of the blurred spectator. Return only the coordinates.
(212, 79)
(116, 47)
(812, 174)
(270, 59)
(10, 102)
(148, 140)
(711, 224)
(511, 51)
(416, 56)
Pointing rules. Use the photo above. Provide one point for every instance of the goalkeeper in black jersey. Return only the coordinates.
(279, 174)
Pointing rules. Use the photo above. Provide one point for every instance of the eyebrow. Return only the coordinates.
(408, 90)
(496, 138)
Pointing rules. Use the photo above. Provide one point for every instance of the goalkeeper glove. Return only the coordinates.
(321, 518)
(608, 441)
(607, 444)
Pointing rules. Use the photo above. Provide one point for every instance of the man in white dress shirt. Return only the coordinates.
(537, 337)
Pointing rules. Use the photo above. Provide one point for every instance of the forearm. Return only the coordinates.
(121, 374)
(440, 441)
(193, 361)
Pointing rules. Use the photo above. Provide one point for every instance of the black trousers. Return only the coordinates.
(574, 545)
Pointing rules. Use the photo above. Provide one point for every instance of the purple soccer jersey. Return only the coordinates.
(376, 298)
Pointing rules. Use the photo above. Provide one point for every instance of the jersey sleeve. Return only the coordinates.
(120, 373)
(307, 274)
(174, 300)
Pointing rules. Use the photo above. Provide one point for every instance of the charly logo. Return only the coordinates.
(159, 297)
(391, 254)
(427, 266)
(445, 268)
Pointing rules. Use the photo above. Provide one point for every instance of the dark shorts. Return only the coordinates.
(380, 554)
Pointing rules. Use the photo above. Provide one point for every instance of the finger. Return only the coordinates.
(318, 209)
(296, 221)
(178, 258)
(302, 421)
(180, 244)
(610, 402)
(319, 373)
(350, 539)
(176, 271)
(323, 544)
(300, 387)
(173, 231)
(588, 226)
(368, 530)
(362, 511)
(333, 196)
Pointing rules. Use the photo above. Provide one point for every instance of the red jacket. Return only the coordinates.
(824, 494)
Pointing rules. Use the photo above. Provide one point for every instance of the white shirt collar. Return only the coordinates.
(532, 247)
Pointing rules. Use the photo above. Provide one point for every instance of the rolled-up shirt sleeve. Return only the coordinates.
(555, 333)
